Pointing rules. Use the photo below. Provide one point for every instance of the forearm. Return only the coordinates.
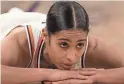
(13, 75)
(111, 76)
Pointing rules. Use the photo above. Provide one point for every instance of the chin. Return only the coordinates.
(62, 67)
(59, 67)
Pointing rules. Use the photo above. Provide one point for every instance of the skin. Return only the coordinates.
(99, 55)
(102, 55)
(16, 57)
(63, 43)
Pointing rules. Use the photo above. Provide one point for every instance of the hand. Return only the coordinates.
(74, 81)
(60, 75)
(89, 80)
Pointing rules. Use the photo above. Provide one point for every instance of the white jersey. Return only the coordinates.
(9, 21)
(33, 23)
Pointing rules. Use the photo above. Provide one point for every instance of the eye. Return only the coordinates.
(63, 45)
(80, 45)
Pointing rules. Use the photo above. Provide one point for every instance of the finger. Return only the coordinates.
(87, 73)
(73, 69)
(88, 69)
(47, 82)
(80, 74)
(77, 76)
(100, 69)
(74, 81)
(84, 69)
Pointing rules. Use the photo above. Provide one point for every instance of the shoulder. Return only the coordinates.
(96, 44)
(15, 48)
(18, 34)
(92, 42)
(21, 34)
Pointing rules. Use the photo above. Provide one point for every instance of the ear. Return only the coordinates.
(44, 32)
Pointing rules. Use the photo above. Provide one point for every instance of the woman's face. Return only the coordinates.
(66, 47)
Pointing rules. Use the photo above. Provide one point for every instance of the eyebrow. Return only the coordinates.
(70, 40)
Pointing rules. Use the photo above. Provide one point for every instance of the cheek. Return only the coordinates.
(83, 49)
(81, 52)
(56, 54)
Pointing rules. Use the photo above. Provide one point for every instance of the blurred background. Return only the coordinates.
(106, 17)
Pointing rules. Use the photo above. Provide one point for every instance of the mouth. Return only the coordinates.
(67, 66)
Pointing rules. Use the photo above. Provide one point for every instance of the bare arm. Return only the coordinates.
(14, 56)
(111, 76)
(13, 49)
(102, 55)
(14, 75)
(105, 56)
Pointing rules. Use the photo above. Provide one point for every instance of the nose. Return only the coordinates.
(71, 57)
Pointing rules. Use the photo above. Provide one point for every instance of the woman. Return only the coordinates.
(56, 50)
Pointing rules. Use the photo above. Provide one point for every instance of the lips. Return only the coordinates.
(67, 66)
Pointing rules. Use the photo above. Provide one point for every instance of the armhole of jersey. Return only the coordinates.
(30, 43)
(83, 58)
(38, 53)
(39, 56)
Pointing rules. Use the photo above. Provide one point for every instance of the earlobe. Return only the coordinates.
(44, 32)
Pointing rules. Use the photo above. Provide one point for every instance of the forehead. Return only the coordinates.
(71, 34)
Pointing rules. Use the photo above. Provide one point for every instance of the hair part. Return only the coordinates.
(66, 15)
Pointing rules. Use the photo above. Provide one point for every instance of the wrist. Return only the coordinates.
(100, 77)
(45, 74)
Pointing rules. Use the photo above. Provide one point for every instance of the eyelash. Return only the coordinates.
(62, 44)
(81, 44)
(66, 45)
